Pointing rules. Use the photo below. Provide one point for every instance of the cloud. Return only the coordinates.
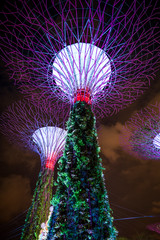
(15, 195)
(15, 155)
(108, 138)
(156, 207)
(142, 185)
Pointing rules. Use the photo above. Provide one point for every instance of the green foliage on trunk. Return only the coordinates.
(83, 208)
(39, 210)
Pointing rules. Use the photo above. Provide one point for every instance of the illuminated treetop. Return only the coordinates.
(40, 128)
(104, 52)
(143, 133)
(36, 128)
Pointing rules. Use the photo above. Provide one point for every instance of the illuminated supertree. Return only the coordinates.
(42, 132)
(142, 136)
(94, 55)
(107, 50)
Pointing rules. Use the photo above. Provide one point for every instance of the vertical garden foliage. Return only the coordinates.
(83, 208)
(39, 209)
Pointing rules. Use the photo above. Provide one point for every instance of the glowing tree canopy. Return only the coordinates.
(143, 133)
(105, 52)
(40, 130)
(49, 142)
(81, 65)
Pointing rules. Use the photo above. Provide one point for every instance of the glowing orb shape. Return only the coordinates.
(81, 66)
(156, 141)
(50, 141)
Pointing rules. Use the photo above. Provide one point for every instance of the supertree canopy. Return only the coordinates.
(40, 131)
(143, 133)
(106, 51)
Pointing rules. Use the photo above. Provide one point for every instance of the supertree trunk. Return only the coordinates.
(39, 209)
(83, 207)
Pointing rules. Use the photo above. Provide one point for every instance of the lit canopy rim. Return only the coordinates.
(81, 66)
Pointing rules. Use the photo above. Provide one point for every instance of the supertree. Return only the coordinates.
(142, 133)
(95, 55)
(41, 131)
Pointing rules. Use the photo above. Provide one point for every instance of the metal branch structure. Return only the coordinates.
(42, 131)
(143, 133)
(105, 50)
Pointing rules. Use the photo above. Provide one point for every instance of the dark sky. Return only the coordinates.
(133, 184)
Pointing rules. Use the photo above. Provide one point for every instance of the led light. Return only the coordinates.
(156, 141)
(50, 140)
(81, 66)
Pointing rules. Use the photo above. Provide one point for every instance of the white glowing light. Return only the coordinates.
(50, 140)
(45, 226)
(81, 66)
(156, 141)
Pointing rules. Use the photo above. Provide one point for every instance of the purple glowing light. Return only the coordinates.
(81, 66)
(124, 34)
(37, 128)
(142, 136)
(154, 227)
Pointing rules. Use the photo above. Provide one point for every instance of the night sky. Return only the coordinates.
(133, 184)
